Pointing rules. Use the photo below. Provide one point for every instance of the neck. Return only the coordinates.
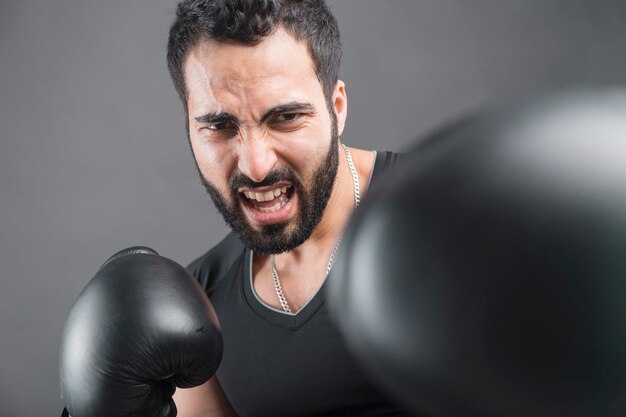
(339, 208)
(303, 269)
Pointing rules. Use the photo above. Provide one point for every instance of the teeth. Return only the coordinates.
(272, 209)
(266, 196)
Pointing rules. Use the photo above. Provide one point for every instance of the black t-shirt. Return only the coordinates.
(277, 364)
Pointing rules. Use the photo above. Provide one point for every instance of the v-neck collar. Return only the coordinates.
(278, 317)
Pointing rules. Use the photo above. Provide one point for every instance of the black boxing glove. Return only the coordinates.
(140, 328)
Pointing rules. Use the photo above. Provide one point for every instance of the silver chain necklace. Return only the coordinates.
(357, 199)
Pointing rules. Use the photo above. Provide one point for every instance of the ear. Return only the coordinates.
(340, 105)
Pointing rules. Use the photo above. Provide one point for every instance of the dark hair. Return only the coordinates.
(247, 22)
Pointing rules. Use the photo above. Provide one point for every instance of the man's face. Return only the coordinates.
(263, 137)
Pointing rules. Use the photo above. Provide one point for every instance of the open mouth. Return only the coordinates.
(267, 200)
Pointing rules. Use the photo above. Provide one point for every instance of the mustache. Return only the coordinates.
(240, 180)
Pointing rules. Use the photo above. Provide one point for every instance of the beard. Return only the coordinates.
(313, 198)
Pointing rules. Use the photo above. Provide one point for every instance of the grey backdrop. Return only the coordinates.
(93, 156)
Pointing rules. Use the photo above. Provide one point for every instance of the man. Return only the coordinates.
(265, 109)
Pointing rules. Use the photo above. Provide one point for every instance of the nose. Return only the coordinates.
(256, 157)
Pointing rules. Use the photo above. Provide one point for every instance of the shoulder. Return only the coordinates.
(210, 268)
(385, 162)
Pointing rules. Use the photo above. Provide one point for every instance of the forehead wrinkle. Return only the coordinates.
(247, 80)
(249, 62)
(199, 84)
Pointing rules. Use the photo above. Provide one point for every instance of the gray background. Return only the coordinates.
(93, 156)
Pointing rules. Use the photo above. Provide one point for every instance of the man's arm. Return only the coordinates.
(206, 400)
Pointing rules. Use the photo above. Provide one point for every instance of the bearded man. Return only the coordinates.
(265, 111)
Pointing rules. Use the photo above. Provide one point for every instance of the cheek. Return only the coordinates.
(305, 147)
(214, 160)
(205, 155)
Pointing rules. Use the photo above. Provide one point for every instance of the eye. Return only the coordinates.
(219, 126)
(287, 117)
(218, 130)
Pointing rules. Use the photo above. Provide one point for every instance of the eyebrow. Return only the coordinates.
(281, 108)
(287, 107)
(217, 118)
